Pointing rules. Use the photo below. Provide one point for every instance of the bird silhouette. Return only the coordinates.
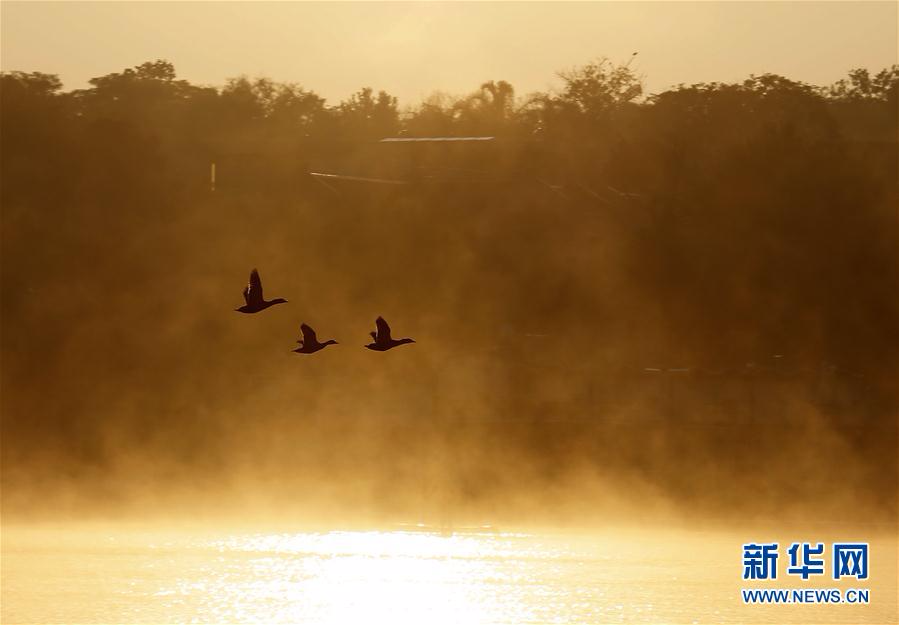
(253, 296)
(309, 343)
(382, 339)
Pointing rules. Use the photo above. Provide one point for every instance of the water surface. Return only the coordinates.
(402, 575)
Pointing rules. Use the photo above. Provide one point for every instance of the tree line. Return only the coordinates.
(145, 118)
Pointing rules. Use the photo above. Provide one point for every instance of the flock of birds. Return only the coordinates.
(309, 344)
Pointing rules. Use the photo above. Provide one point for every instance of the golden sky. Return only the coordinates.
(412, 49)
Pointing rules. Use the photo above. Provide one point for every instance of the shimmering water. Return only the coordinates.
(401, 576)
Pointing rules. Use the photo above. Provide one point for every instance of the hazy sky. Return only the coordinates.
(413, 49)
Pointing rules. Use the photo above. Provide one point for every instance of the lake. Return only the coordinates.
(410, 574)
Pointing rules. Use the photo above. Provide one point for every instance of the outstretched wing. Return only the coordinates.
(308, 335)
(383, 330)
(253, 293)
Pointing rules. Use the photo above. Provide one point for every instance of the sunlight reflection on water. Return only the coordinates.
(397, 577)
(400, 576)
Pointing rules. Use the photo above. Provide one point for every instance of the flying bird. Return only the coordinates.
(253, 296)
(309, 343)
(382, 339)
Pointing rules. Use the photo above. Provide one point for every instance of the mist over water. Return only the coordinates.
(531, 388)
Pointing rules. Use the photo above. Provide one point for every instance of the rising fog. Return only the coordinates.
(623, 304)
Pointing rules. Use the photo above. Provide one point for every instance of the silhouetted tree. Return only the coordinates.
(433, 117)
(366, 115)
(489, 110)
